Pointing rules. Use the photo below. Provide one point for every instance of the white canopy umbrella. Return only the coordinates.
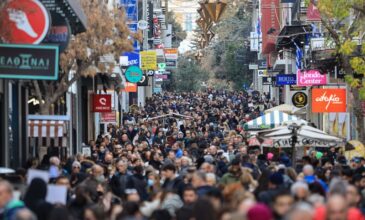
(289, 109)
(303, 134)
(304, 131)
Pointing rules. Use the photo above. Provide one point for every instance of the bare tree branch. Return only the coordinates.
(359, 9)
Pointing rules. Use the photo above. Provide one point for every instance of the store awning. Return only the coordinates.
(72, 10)
(292, 33)
(269, 120)
(46, 128)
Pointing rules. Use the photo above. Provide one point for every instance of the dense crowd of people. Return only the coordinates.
(186, 156)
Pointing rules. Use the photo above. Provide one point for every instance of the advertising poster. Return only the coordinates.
(337, 124)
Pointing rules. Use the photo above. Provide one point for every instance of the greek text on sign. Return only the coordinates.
(29, 61)
(310, 78)
(329, 100)
(148, 60)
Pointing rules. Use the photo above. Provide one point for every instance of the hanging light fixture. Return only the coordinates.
(215, 8)
(204, 26)
(204, 15)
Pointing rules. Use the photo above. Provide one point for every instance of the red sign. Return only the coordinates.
(102, 103)
(24, 22)
(329, 100)
(130, 87)
(270, 24)
(313, 13)
(108, 117)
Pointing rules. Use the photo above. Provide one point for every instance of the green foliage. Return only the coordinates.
(189, 76)
(358, 64)
(345, 20)
(178, 33)
(230, 50)
(348, 47)
(362, 93)
(338, 9)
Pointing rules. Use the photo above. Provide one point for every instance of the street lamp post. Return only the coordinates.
(294, 138)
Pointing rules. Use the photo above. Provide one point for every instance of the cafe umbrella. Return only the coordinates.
(299, 134)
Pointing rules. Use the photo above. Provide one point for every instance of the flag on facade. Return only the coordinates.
(258, 27)
(299, 56)
(315, 31)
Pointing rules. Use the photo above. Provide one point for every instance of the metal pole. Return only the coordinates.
(294, 141)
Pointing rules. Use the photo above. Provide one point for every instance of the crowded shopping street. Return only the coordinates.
(182, 110)
(187, 156)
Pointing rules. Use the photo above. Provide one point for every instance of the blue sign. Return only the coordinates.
(286, 79)
(134, 74)
(131, 9)
(133, 58)
(134, 28)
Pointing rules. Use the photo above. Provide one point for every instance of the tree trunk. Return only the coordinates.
(45, 108)
(357, 107)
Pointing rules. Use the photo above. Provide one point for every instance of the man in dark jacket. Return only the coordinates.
(119, 180)
(172, 182)
(137, 181)
(276, 181)
(199, 182)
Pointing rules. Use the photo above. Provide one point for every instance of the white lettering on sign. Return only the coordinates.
(332, 99)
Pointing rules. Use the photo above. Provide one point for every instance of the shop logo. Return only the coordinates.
(310, 78)
(332, 99)
(329, 100)
(102, 103)
(300, 99)
(24, 22)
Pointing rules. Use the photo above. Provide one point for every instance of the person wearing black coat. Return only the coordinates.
(138, 182)
(118, 182)
(35, 199)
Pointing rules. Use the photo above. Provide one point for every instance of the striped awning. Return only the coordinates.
(269, 120)
(46, 128)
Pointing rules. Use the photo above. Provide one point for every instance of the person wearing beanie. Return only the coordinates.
(259, 212)
(276, 181)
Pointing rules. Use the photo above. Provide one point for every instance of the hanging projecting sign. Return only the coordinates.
(133, 58)
(24, 22)
(143, 81)
(59, 33)
(150, 72)
(108, 117)
(131, 9)
(102, 103)
(161, 66)
(142, 24)
(329, 100)
(310, 78)
(134, 74)
(300, 99)
(149, 60)
(286, 79)
(130, 87)
(29, 61)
